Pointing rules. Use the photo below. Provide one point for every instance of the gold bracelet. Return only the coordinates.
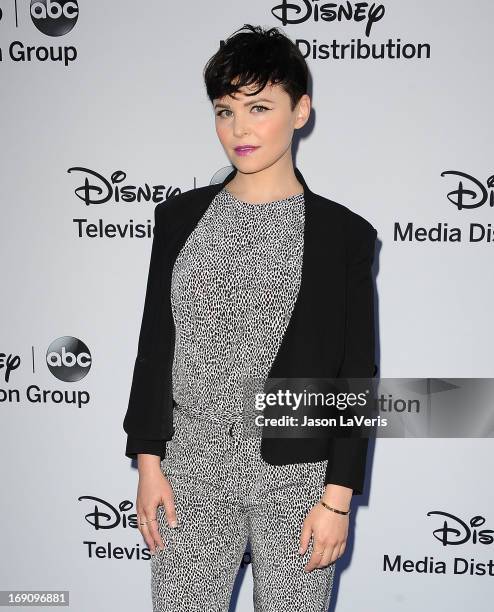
(334, 509)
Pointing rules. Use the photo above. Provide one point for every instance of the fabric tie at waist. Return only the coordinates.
(227, 420)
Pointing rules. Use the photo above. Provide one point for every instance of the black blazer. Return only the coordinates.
(330, 333)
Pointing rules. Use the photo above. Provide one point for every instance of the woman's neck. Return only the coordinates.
(264, 186)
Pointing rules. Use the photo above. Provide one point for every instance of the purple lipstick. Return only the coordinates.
(245, 149)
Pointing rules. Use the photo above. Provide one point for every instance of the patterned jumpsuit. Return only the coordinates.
(234, 286)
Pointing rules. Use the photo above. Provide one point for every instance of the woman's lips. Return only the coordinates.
(244, 150)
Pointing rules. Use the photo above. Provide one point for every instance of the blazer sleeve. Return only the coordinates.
(142, 412)
(347, 467)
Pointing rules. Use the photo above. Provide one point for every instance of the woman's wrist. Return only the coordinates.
(148, 463)
(337, 496)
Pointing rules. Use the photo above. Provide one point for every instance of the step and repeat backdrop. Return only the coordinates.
(104, 114)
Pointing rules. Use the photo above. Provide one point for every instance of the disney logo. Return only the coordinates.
(477, 191)
(98, 190)
(303, 10)
(106, 516)
(457, 532)
(10, 363)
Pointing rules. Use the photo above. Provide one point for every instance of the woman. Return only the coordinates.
(238, 287)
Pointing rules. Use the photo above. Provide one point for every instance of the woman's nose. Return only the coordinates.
(240, 129)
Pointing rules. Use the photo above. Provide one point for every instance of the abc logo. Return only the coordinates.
(68, 359)
(54, 17)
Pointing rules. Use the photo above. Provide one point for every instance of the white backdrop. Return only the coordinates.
(391, 137)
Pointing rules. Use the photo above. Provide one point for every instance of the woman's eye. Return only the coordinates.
(226, 110)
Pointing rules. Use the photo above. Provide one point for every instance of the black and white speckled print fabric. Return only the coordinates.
(234, 286)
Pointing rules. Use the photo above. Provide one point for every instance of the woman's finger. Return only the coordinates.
(170, 512)
(342, 550)
(326, 558)
(144, 529)
(153, 532)
(305, 536)
(316, 556)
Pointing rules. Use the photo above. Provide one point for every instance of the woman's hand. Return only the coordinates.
(154, 489)
(330, 532)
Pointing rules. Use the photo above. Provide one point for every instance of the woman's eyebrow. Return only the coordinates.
(218, 104)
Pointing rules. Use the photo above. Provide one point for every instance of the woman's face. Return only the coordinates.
(264, 121)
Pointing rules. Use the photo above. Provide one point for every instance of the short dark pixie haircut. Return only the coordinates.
(256, 56)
